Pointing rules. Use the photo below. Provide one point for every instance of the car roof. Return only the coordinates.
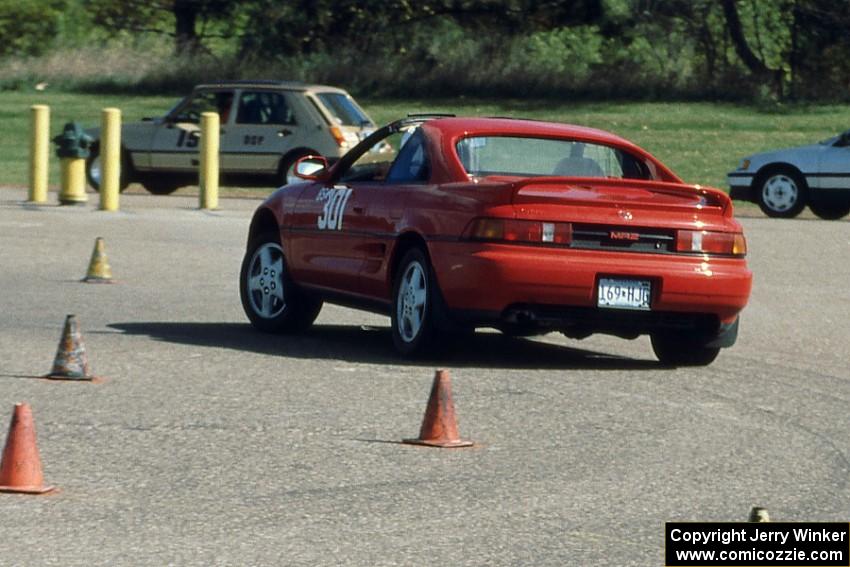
(456, 126)
(270, 84)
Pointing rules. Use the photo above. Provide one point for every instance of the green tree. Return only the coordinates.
(29, 27)
(187, 21)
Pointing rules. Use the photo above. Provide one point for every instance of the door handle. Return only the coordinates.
(196, 162)
(284, 132)
(359, 210)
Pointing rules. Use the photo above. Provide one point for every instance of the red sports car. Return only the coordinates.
(448, 224)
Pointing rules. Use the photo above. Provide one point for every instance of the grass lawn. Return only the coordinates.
(701, 142)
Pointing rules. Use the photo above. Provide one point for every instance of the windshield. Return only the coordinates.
(840, 140)
(534, 157)
(343, 109)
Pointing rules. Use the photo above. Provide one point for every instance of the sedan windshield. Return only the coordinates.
(535, 157)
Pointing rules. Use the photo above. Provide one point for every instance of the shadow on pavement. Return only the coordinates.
(374, 345)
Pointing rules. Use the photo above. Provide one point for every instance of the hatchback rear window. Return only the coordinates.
(344, 111)
(504, 155)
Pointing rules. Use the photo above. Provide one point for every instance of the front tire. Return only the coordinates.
(782, 193)
(675, 350)
(271, 300)
(94, 169)
(413, 305)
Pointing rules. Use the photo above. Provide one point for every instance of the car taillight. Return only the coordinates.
(707, 242)
(512, 230)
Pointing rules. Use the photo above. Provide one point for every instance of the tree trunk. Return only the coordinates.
(185, 15)
(756, 66)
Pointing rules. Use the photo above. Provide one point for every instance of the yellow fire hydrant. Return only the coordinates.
(72, 147)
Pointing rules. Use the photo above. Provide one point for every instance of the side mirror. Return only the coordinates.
(310, 167)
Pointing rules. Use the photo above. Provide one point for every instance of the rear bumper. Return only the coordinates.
(557, 287)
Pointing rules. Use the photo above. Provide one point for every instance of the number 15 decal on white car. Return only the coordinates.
(335, 200)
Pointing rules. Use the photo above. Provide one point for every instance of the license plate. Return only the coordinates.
(624, 294)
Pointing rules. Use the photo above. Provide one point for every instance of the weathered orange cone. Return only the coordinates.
(20, 468)
(439, 427)
(71, 362)
(99, 270)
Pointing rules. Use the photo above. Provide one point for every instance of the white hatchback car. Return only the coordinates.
(265, 127)
(783, 182)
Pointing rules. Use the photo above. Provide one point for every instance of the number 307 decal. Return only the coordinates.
(335, 200)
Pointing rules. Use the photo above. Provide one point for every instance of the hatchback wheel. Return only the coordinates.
(272, 302)
(94, 170)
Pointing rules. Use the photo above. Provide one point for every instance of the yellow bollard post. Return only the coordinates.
(73, 191)
(208, 175)
(110, 158)
(39, 153)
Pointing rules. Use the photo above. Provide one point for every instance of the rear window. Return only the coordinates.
(536, 157)
(343, 109)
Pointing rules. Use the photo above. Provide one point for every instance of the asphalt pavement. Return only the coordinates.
(212, 444)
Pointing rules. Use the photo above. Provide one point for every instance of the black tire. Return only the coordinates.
(289, 310)
(161, 185)
(830, 207)
(93, 169)
(414, 272)
(781, 192)
(672, 349)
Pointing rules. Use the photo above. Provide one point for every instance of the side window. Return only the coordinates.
(205, 101)
(264, 108)
(374, 164)
(412, 164)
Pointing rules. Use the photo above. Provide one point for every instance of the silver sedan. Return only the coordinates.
(783, 182)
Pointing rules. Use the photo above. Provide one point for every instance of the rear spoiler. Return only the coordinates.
(713, 197)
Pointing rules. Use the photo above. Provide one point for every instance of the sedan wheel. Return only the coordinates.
(830, 207)
(272, 302)
(782, 194)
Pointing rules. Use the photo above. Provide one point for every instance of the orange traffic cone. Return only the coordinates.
(71, 362)
(99, 270)
(439, 427)
(20, 468)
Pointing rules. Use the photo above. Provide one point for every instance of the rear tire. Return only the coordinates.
(781, 192)
(160, 185)
(271, 300)
(830, 207)
(414, 308)
(675, 350)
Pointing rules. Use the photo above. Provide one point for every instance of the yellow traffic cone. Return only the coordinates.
(71, 361)
(99, 270)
